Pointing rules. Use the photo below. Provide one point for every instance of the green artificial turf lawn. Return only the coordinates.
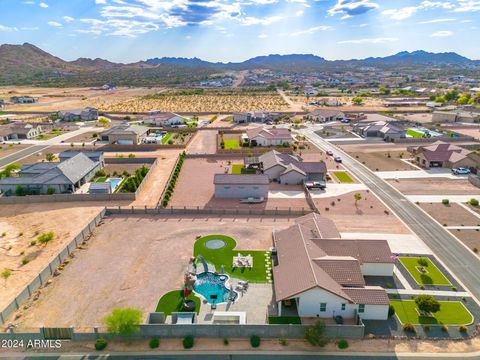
(224, 256)
(282, 320)
(240, 169)
(451, 313)
(415, 134)
(166, 138)
(102, 179)
(231, 144)
(343, 177)
(172, 302)
(433, 277)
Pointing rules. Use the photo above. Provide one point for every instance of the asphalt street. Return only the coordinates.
(21, 154)
(461, 261)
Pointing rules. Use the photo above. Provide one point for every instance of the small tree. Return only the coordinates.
(8, 170)
(427, 303)
(50, 157)
(45, 238)
(123, 321)
(357, 197)
(6, 273)
(315, 334)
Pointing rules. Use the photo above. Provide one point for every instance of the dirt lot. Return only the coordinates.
(375, 147)
(134, 270)
(471, 238)
(435, 186)
(380, 161)
(195, 188)
(336, 132)
(204, 142)
(120, 168)
(450, 215)
(368, 216)
(9, 149)
(20, 223)
(85, 137)
(472, 131)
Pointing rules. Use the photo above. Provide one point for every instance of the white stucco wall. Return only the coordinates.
(241, 191)
(309, 304)
(274, 172)
(292, 178)
(374, 269)
(375, 312)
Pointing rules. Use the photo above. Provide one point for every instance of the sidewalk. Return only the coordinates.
(427, 292)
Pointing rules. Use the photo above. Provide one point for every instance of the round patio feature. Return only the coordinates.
(215, 244)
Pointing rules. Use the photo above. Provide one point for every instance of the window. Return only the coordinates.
(323, 307)
(344, 306)
(226, 187)
(361, 308)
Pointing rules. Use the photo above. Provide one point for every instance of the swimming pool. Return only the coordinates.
(214, 288)
(114, 182)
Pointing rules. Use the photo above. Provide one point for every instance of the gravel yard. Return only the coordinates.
(450, 215)
(133, 261)
(435, 186)
(471, 238)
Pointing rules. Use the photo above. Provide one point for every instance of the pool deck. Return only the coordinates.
(255, 302)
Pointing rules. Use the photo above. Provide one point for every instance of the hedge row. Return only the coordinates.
(173, 180)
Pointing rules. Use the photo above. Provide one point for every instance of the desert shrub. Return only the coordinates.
(422, 262)
(255, 341)
(154, 343)
(395, 296)
(454, 288)
(225, 341)
(100, 344)
(444, 328)
(426, 328)
(51, 191)
(407, 327)
(391, 311)
(462, 329)
(46, 237)
(445, 201)
(25, 260)
(342, 344)
(33, 243)
(473, 202)
(100, 173)
(315, 334)
(283, 342)
(188, 342)
(124, 321)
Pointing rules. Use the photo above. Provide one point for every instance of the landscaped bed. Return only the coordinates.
(173, 302)
(451, 313)
(240, 169)
(282, 320)
(343, 177)
(424, 271)
(224, 257)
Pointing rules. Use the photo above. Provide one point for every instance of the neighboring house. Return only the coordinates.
(287, 169)
(86, 114)
(229, 186)
(23, 99)
(95, 156)
(255, 116)
(322, 275)
(441, 154)
(461, 116)
(125, 134)
(325, 115)
(19, 131)
(58, 177)
(164, 119)
(381, 129)
(269, 137)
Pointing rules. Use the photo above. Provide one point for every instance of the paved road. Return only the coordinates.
(461, 261)
(21, 154)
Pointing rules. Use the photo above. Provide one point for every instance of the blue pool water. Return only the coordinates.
(114, 182)
(212, 288)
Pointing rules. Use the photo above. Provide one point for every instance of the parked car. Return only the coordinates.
(329, 152)
(346, 121)
(461, 171)
(315, 185)
(338, 159)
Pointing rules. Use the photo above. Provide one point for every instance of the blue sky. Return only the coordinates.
(235, 30)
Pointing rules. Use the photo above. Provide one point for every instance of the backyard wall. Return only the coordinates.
(48, 271)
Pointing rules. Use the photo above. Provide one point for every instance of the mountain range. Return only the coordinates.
(28, 64)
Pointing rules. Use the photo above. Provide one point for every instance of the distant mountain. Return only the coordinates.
(95, 63)
(196, 62)
(421, 57)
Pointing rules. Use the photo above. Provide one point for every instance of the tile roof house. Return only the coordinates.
(382, 129)
(86, 114)
(164, 119)
(232, 186)
(323, 275)
(288, 169)
(325, 115)
(58, 177)
(441, 154)
(255, 116)
(125, 134)
(18, 131)
(461, 116)
(269, 136)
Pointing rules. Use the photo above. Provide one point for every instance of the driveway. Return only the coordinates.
(460, 260)
(419, 174)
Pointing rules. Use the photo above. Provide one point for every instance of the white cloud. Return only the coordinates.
(43, 5)
(100, 1)
(352, 7)
(369, 41)
(406, 12)
(299, 13)
(467, 6)
(250, 20)
(33, 28)
(54, 24)
(4, 28)
(262, 36)
(311, 30)
(436, 21)
(68, 19)
(443, 33)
